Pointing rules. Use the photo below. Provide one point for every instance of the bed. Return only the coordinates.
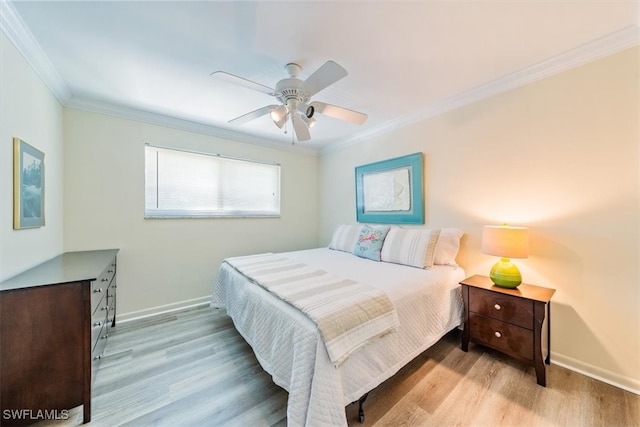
(288, 344)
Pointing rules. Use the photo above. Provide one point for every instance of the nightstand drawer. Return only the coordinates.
(512, 309)
(510, 339)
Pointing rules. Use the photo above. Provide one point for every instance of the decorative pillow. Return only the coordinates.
(448, 246)
(345, 237)
(370, 242)
(415, 248)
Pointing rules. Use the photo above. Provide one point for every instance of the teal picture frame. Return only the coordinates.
(391, 191)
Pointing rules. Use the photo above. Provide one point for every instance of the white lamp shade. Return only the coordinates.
(505, 241)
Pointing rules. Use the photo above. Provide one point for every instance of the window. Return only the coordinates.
(187, 184)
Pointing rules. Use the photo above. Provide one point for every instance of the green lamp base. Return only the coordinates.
(505, 274)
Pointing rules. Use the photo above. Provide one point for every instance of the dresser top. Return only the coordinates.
(65, 268)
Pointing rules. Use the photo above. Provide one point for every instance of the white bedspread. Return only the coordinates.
(288, 346)
(348, 314)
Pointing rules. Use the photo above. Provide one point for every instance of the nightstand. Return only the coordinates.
(508, 320)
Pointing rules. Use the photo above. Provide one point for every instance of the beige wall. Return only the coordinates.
(560, 156)
(169, 263)
(29, 111)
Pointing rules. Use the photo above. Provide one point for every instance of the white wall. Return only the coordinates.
(560, 156)
(168, 263)
(28, 111)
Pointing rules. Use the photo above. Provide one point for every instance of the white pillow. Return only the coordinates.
(345, 237)
(448, 246)
(415, 248)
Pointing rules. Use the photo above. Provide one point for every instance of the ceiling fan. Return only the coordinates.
(294, 96)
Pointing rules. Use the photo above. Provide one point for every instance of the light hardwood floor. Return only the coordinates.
(193, 369)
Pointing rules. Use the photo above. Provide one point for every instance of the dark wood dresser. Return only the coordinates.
(508, 320)
(54, 323)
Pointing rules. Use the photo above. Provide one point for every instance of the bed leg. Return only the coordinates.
(360, 410)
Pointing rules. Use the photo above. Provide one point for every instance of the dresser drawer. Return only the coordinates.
(510, 339)
(111, 295)
(98, 293)
(101, 312)
(98, 350)
(98, 322)
(515, 310)
(108, 273)
(101, 284)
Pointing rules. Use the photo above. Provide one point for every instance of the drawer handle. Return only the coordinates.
(98, 357)
(109, 271)
(497, 334)
(106, 307)
(97, 291)
(497, 307)
(104, 337)
(105, 279)
(97, 324)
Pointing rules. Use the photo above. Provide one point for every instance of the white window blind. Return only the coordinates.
(187, 184)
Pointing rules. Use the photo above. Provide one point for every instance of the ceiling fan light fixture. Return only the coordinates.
(279, 116)
(310, 121)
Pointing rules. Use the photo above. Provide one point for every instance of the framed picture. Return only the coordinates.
(390, 191)
(28, 186)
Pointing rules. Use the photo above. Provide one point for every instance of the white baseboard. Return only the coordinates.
(616, 380)
(163, 309)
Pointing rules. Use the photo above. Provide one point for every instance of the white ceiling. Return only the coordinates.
(152, 59)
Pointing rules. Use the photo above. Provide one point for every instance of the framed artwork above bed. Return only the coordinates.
(391, 191)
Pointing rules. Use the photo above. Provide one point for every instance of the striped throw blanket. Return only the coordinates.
(348, 314)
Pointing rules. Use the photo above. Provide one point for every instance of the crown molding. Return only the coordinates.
(596, 49)
(14, 28)
(181, 124)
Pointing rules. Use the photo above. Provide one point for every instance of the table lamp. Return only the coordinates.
(505, 242)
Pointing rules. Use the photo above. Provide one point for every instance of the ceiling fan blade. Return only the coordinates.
(252, 115)
(301, 128)
(241, 81)
(324, 76)
(340, 113)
